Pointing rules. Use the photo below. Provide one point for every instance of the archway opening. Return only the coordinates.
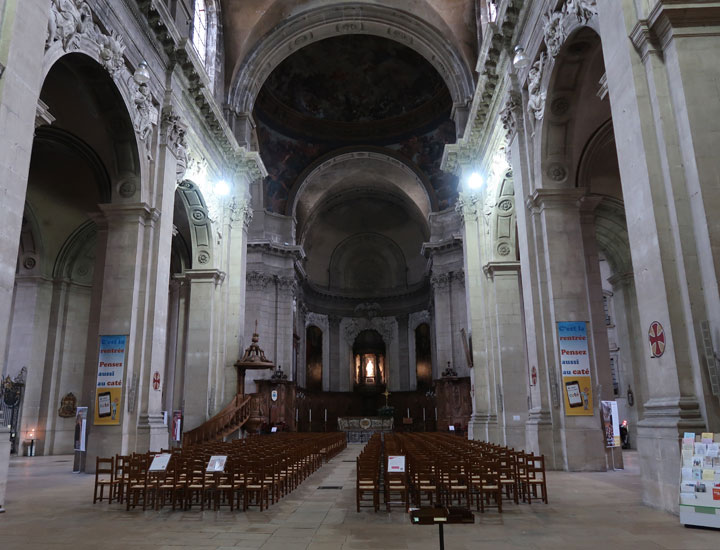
(423, 357)
(313, 358)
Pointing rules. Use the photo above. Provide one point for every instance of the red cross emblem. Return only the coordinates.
(656, 336)
(156, 381)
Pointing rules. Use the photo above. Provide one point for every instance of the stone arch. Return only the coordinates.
(351, 18)
(199, 225)
(76, 260)
(78, 147)
(375, 252)
(317, 169)
(503, 230)
(73, 30)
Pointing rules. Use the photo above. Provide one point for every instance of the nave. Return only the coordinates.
(51, 509)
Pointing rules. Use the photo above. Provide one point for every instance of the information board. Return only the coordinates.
(111, 370)
(575, 364)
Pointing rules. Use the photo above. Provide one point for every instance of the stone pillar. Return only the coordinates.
(404, 353)
(126, 273)
(339, 379)
(483, 423)
(284, 315)
(200, 348)
(512, 365)
(659, 168)
(564, 274)
(20, 86)
(4, 459)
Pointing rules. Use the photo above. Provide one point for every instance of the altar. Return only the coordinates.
(359, 429)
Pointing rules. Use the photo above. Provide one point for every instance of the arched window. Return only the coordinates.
(200, 29)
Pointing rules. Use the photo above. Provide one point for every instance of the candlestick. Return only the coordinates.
(310, 415)
(296, 415)
(423, 414)
(408, 412)
(325, 415)
(435, 414)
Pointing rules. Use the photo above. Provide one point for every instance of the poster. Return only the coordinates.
(81, 428)
(160, 463)
(396, 464)
(177, 426)
(611, 423)
(575, 364)
(217, 463)
(111, 369)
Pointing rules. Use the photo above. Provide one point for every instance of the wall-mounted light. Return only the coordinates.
(475, 181)
(520, 60)
(222, 188)
(141, 74)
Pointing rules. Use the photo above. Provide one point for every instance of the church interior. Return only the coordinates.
(326, 235)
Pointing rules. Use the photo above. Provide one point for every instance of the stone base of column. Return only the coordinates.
(658, 442)
(483, 427)
(584, 447)
(515, 436)
(4, 460)
(540, 438)
(152, 433)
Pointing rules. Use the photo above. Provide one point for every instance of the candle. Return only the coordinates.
(325, 415)
(408, 412)
(296, 415)
(435, 414)
(423, 414)
(310, 415)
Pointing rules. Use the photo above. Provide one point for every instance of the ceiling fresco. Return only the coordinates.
(351, 91)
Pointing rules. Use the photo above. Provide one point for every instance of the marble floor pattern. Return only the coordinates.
(50, 508)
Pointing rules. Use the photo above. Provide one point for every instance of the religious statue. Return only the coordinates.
(369, 369)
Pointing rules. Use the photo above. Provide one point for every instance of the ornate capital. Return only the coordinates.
(466, 206)
(440, 280)
(257, 280)
(172, 133)
(287, 285)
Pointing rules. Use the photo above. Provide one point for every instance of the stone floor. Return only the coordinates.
(49, 508)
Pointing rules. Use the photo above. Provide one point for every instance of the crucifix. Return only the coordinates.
(386, 394)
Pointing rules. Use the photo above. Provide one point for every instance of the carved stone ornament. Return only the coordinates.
(440, 280)
(508, 115)
(173, 135)
(145, 115)
(69, 21)
(466, 206)
(383, 325)
(583, 10)
(536, 103)
(554, 31)
(68, 406)
(503, 249)
(112, 49)
(257, 280)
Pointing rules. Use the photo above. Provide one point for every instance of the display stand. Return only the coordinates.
(700, 480)
(439, 516)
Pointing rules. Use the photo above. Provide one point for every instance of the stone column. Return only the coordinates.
(483, 423)
(4, 459)
(565, 275)
(660, 183)
(285, 313)
(404, 352)
(512, 365)
(338, 373)
(126, 272)
(20, 86)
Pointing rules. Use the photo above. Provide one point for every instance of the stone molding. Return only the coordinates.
(277, 249)
(205, 275)
(385, 326)
(129, 212)
(431, 248)
(444, 280)
(620, 280)
(199, 219)
(556, 23)
(543, 199)
(492, 269)
(316, 319)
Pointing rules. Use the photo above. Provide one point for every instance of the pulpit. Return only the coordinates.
(452, 394)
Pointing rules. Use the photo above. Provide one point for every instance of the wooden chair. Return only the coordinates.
(137, 484)
(122, 462)
(367, 483)
(489, 486)
(508, 476)
(255, 489)
(535, 478)
(105, 477)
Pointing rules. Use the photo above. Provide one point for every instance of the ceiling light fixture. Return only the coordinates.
(222, 188)
(475, 181)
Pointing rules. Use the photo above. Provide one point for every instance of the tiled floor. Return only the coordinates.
(49, 508)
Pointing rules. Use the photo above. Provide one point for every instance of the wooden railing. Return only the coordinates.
(227, 421)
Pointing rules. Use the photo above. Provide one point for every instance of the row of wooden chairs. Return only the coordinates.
(441, 469)
(258, 471)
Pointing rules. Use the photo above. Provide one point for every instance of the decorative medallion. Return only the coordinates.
(557, 172)
(156, 381)
(656, 337)
(274, 395)
(127, 189)
(203, 257)
(503, 249)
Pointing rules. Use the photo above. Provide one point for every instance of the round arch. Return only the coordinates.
(352, 18)
(195, 223)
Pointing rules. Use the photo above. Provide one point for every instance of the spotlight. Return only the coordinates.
(222, 188)
(475, 181)
(520, 60)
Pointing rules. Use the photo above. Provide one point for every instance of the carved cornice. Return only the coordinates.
(257, 280)
(205, 275)
(543, 199)
(277, 249)
(453, 242)
(491, 269)
(467, 206)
